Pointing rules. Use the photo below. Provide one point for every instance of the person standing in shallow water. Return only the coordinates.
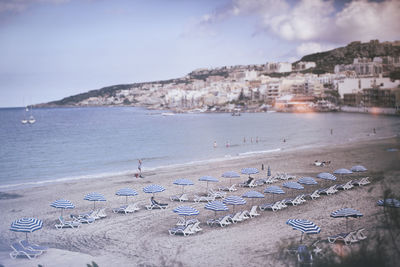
(140, 167)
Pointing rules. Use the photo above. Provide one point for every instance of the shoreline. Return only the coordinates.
(142, 238)
(243, 155)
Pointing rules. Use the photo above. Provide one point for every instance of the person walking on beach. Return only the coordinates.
(215, 144)
(227, 143)
(331, 131)
(140, 167)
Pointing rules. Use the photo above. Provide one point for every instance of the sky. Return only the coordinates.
(51, 49)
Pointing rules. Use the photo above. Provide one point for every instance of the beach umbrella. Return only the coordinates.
(253, 194)
(62, 204)
(342, 171)
(273, 189)
(293, 185)
(234, 200)
(208, 179)
(216, 206)
(389, 202)
(186, 211)
(26, 225)
(127, 192)
(153, 188)
(307, 181)
(305, 226)
(326, 176)
(392, 149)
(269, 171)
(94, 196)
(346, 213)
(230, 175)
(249, 171)
(358, 168)
(183, 182)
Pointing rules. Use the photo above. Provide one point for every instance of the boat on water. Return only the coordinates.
(31, 119)
(168, 114)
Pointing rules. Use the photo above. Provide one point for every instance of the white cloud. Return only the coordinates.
(316, 23)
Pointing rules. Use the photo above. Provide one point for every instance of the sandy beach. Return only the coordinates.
(142, 239)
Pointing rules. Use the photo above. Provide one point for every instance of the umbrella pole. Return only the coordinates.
(126, 199)
(207, 189)
(301, 238)
(94, 205)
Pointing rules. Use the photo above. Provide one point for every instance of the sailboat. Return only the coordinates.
(32, 119)
(25, 120)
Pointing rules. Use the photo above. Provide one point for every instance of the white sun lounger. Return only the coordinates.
(182, 230)
(155, 205)
(328, 191)
(19, 250)
(223, 221)
(362, 181)
(347, 238)
(198, 199)
(226, 188)
(313, 195)
(179, 198)
(67, 224)
(345, 186)
(131, 208)
(216, 194)
(32, 246)
(253, 212)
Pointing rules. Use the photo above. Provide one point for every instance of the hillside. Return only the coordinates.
(326, 61)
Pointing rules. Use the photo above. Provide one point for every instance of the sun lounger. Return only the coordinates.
(251, 184)
(33, 246)
(362, 181)
(313, 195)
(101, 213)
(183, 222)
(85, 217)
(235, 218)
(196, 227)
(347, 238)
(156, 205)
(259, 182)
(223, 221)
(198, 199)
(179, 198)
(271, 206)
(19, 250)
(63, 223)
(131, 208)
(359, 234)
(253, 212)
(244, 215)
(182, 230)
(345, 186)
(228, 188)
(216, 194)
(328, 191)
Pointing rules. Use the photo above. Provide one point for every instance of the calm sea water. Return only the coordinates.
(67, 143)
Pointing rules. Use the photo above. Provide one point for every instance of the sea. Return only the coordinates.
(78, 143)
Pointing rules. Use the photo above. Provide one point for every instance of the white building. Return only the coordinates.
(278, 67)
(356, 85)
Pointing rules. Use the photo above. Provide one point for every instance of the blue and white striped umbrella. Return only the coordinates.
(234, 200)
(273, 189)
(346, 213)
(326, 176)
(183, 182)
(153, 188)
(389, 202)
(127, 192)
(216, 206)
(307, 181)
(208, 179)
(186, 211)
(253, 194)
(26, 225)
(249, 171)
(293, 185)
(358, 168)
(342, 171)
(62, 204)
(305, 226)
(231, 174)
(94, 196)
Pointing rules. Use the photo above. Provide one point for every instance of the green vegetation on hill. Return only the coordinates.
(326, 61)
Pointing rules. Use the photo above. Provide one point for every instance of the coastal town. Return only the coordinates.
(364, 85)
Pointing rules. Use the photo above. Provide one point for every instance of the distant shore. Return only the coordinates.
(142, 239)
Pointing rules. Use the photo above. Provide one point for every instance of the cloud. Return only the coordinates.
(17, 6)
(316, 23)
